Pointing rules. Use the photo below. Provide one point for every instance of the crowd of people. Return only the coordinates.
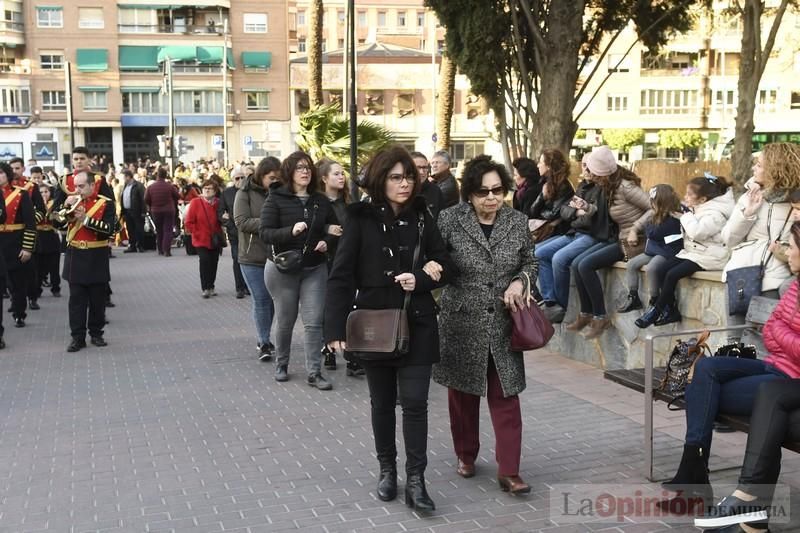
(458, 257)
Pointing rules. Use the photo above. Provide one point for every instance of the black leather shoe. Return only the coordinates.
(19, 322)
(129, 251)
(34, 305)
(76, 345)
(110, 304)
(648, 318)
(417, 495)
(56, 294)
(387, 483)
(632, 303)
(669, 316)
(98, 341)
(2, 343)
(239, 295)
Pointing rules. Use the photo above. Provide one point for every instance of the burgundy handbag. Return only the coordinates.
(531, 329)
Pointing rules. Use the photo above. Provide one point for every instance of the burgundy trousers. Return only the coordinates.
(506, 419)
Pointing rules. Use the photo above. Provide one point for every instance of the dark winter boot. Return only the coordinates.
(649, 317)
(669, 315)
(632, 303)
(417, 495)
(387, 482)
(694, 492)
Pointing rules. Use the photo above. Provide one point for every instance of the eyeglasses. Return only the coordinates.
(398, 178)
(237, 178)
(302, 168)
(497, 191)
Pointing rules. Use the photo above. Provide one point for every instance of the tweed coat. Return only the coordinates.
(473, 321)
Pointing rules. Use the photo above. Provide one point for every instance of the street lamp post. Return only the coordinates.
(171, 117)
(68, 101)
(351, 21)
(225, 93)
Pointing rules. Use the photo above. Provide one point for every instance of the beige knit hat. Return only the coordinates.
(601, 161)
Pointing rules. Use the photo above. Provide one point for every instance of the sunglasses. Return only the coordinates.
(237, 178)
(497, 191)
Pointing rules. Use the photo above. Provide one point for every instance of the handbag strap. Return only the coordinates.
(308, 236)
(528, 297)
(208, 219)
(764, 257)
(420, 231)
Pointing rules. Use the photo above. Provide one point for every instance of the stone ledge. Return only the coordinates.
(701, 300)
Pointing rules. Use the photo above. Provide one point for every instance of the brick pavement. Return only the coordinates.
(176, 426)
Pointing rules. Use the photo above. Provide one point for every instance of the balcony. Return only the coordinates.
(12, 33)
(15, 68)
(178, 29)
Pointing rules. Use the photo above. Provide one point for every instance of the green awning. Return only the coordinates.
(177, 53)
(138, 57)
(92, 59)
(49, 8)
(257, 59)
(140, 89)
(212, 55)
(93, 88)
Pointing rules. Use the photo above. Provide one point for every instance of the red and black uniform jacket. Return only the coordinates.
(18, 232)
(86, 256)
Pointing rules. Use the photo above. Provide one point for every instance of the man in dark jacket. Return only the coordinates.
(133, 208)
(432, 194)
(441, 176)
(225, 213)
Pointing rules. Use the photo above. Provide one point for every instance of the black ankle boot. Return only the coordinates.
(417, 495)
(631, 303)
(669, 315)
(694, 491)
(648, 318)
(387, 483)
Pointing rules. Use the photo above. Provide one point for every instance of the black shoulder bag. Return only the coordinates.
(291, 261)
(382, 334)
(217, 237)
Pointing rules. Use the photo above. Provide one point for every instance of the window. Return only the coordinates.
(668, 102)
(199, 101)
(301, 45)
(255, 23)
(405, 104)
(137, 20)
(257, 100)
(767, 101)
(401, 19)
(616, 103)
(336, 97)
(340, 16)
(463, 150)
(143, 102)
(362, 18)
(373, 103)
(618, 63)
(49, 17)
(382, 19)
(795, 104)
(724, 99)
(51, 60)
(301, 101)
(420, 19)
(15, 100)
(54, 101)
(91, 18)
(340, 44)
(95, 101)
(301, 18)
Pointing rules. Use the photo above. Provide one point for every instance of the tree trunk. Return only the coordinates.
(741, 159)
(553, 124)
(445, 102)
(315, 54)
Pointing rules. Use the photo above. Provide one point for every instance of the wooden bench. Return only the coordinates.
(647, 379)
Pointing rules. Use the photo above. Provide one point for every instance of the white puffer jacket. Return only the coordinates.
(749, 237)
(702, 232)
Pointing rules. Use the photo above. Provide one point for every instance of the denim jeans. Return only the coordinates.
(263, 308)
(555, 256)
(587, 282)
(306, 290)
(722, 384)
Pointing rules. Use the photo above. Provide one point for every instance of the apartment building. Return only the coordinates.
(117, 52)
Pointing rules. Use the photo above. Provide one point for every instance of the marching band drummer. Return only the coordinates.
(89, 219)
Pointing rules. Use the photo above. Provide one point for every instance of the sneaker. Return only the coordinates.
(212, 291)
(319, 381)
(329, 359)
(239, 295)
(354, 369)
(33, 304)
(266, 351)
(732, 510)
(206, 293)
(281, 373)
(56, 294)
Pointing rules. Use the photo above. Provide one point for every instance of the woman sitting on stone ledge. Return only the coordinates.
(729, 384)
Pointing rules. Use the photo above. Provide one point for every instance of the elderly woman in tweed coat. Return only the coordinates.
(491, 247)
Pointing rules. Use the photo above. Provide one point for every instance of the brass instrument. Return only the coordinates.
(67, 210)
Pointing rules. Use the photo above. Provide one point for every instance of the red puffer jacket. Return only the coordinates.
(201, 221)
(782, 334)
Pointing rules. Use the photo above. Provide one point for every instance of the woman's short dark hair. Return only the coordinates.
(377, 172)
(290, 164)
(211, 182)
(709, 186)
(162, 173)
(526, 167)
(265, 166)
(475, 169)
(5, 168)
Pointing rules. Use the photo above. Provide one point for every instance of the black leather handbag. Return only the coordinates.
(291, 261)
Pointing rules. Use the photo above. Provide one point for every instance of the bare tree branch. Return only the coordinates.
(540, 45)
(518, 45)
(773, 32)
(600, 62)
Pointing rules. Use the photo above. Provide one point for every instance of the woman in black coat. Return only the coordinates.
(528, 183)
(374, 258)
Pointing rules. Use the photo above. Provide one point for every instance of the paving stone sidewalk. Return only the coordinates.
(176, 426)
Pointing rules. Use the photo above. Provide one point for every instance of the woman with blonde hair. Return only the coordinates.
(761, 220)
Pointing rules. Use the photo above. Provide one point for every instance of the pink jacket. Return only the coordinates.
(782, 334)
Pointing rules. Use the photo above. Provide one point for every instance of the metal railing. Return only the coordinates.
(180, 29)
(10, 25)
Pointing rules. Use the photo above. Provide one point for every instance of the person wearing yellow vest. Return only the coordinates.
(17, 241)
(48, 249)
(89, 219)
(29, 186)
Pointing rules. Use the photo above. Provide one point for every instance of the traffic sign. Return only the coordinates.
(216, 142)
(248, 140)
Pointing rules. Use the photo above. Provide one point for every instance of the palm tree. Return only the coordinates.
(445, 101)
(324, 133)
(315, 53)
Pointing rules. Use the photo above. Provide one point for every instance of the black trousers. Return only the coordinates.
(775, 419)
(135, 225)
(18, 280)
(2, 296)
(670, 273)
(413, 383)
(47, 265)
(209, 259)
(32, 277)
(87, 309)
(237, 272)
